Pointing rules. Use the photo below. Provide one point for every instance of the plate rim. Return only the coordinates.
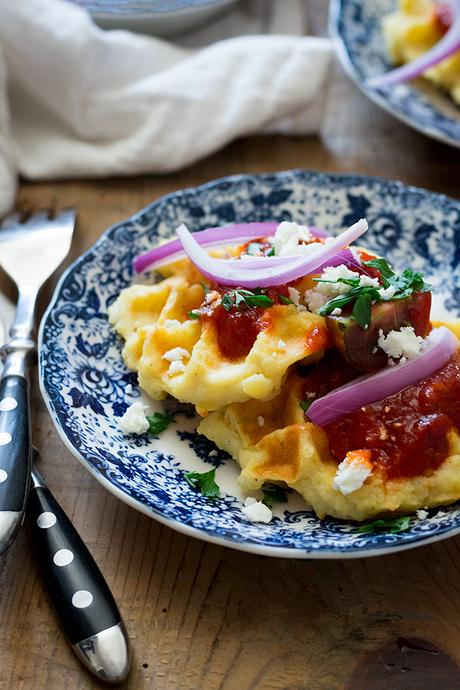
(253, 548)
(373, 95)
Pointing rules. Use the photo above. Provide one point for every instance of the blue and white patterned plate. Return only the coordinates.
(83, 377)
(355, 26)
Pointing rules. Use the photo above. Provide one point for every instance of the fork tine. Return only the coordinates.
(11, 220)
(66, 217)
(41, 216)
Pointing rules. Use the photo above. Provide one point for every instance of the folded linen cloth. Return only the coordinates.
(87, 102)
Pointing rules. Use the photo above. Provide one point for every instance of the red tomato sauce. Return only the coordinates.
(406, 432)
(443, 16)
(237, 329)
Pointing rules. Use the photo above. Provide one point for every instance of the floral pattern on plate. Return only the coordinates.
(85, 382)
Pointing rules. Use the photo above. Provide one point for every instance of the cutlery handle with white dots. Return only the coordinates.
(80, 595)
(15, 455)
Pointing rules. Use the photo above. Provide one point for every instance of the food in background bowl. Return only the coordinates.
(426, 35)
(312, 363)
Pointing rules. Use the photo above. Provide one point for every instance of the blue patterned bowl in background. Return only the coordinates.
(158, 17)
(84, 380)
(356, 27)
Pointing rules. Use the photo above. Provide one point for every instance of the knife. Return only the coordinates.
(80, 595)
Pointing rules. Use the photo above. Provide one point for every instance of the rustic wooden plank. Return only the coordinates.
(201, 616)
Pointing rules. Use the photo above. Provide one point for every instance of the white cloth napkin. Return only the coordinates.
(86, 102)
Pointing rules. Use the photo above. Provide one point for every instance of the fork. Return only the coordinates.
(30, 252)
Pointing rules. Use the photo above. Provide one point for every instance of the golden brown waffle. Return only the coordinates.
(285, 448)
(154, 321)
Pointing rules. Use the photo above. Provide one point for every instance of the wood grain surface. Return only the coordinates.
(201, 616)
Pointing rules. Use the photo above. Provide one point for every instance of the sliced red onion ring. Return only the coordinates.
(235, 273)
(441, 345)
(241, 232)
(446, 47)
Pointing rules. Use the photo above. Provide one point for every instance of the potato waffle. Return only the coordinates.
(273, 442)
(154, 321)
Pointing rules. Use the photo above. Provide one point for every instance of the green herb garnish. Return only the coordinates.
(193, 314)
(390, 525)
(285, 300)
(271, 252)
(305, 404)
(245, 298)
(273, 494)
(363, 296)
(362, 310)
(205, 482)
(405, 284)
(158, 422)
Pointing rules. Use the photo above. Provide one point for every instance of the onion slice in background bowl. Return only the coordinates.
(447, 46)
(239, 232)
(441, 345)
(235, 273)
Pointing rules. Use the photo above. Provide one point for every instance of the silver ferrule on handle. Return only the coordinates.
(21, 345)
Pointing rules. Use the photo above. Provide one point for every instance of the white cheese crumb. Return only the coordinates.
(351, 475)
(134, 420)
(289, 238)
(294, 296)
(387, 293)
(336, 312)
(323, 292)
(176, 354)
(401, 344)
(256, 511)
(281, 344)
(421, 514)
(260, 420)
(176, 367)
(212, 454)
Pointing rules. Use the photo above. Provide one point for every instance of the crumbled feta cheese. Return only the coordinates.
(134, 420)
(294, 296)
(336, 312)
(421, 514)
(176, 367)
(352, 472)
(256, 511)
(176, 354)
(260, 420)
(289, 239)
(387, 293)
(367, 281)
(403, 343)
(281, 345)
(212, 454)
(211, 296)
(323, 292)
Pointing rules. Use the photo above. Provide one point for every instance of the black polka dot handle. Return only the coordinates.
(81, 597)
(14, 456)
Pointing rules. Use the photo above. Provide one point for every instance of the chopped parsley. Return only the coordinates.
(273, 494)
(285, 300)
(193, 314)
(158, 422)
(390, 525)
(246, 298)
(405, 284)
(271, 252)
(205, 482)
(305, 404)
(363, 296)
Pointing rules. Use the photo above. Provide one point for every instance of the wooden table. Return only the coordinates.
(201, 616)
